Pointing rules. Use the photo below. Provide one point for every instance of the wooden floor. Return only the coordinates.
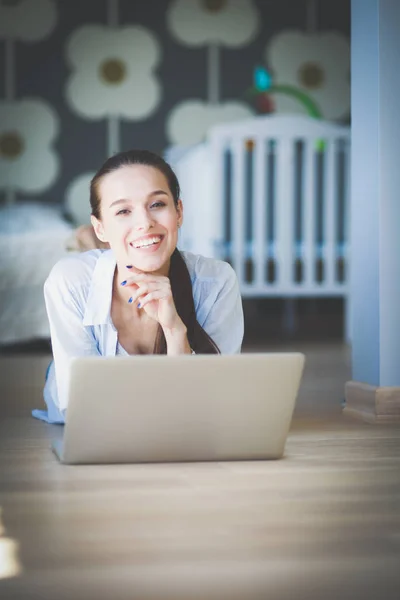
(322, 523)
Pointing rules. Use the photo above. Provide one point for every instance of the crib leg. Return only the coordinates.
(289, 316)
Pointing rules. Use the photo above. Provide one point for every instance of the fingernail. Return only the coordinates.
(123, 282)
(129, 266)
(138, 305)
(130, 300)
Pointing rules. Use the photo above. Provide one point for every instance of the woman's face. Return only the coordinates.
(138, 217)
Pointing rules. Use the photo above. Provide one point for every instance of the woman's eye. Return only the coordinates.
(124, 211)
(157, 204)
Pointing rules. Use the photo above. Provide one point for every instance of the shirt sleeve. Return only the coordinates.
(69, 337)
(224, 322)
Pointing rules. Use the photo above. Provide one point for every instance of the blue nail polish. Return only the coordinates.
(138, 305)
(123, 282)
(130, 300)
(129, 266)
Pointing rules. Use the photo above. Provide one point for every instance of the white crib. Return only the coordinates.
(271, 196)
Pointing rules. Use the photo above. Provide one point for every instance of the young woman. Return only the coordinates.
(142, 296)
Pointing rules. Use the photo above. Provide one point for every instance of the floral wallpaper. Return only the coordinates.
(82, 80)
(211, 25)
(317, 64)
(28, 126)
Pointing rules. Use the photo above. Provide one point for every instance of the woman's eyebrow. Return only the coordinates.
(121, 201)
(158, 193)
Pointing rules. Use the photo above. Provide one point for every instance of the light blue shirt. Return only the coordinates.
(78, 295)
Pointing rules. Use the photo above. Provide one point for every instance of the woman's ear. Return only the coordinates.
(98, 229)
(179, 210)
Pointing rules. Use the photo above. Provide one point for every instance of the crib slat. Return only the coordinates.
(238, 208)
(330, 213)
(309, 207)
(260, 210)
(346, 207)
(217, 191)
(284, 212)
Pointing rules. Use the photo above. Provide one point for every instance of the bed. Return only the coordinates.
(33, 237)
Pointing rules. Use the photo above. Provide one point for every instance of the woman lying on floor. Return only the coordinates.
(137, 293)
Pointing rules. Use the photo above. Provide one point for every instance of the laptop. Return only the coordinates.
(152, 408)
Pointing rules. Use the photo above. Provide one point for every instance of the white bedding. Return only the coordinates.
(32, 239)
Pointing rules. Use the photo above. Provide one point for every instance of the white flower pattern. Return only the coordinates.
(317, 64)
(27, 160)
(189, 122)
(231, 23)
(113, 72)
(27, 20)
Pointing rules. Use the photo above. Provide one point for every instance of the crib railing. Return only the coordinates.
(284, 196)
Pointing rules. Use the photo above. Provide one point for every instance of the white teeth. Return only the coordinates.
(148, 242)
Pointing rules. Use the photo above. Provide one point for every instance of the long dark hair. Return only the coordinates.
(179, 276)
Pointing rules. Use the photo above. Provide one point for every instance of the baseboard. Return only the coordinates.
(372, 404)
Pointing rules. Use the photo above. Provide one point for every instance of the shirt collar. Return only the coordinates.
(98, 306)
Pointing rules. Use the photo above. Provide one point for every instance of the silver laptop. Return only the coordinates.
(153, 408)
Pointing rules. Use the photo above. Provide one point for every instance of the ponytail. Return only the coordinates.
(182, 293)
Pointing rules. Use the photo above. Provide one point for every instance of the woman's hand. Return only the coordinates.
(153, 294)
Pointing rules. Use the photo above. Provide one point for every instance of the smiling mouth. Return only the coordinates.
(150, 242)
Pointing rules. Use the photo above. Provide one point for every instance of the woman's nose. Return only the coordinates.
(143, 221)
